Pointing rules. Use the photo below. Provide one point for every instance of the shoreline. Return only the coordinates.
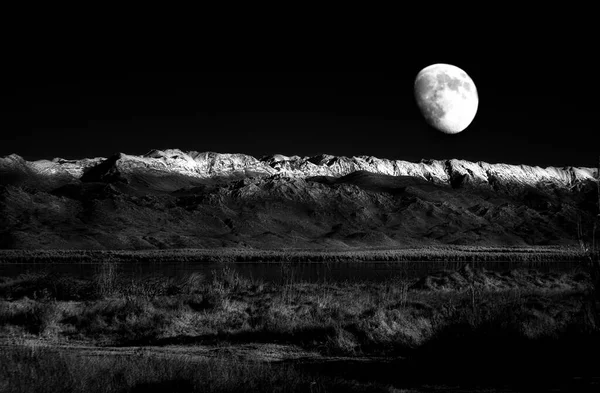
(438, 253)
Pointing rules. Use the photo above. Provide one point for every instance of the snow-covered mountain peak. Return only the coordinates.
(202, 165)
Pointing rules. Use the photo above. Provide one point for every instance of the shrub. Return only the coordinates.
(35, 317)
(124, 320)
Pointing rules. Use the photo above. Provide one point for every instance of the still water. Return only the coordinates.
(275, 272)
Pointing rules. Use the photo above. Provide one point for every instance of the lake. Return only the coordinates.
(274, 272)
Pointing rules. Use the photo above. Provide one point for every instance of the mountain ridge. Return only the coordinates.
(173, 199)
(203, 165)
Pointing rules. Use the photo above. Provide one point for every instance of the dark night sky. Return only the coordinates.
(538, 105)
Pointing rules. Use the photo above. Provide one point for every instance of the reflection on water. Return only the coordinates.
(305, 271)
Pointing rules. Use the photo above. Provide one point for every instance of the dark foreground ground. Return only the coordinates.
(463, 330)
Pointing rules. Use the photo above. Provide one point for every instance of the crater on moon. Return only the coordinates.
(446, 81)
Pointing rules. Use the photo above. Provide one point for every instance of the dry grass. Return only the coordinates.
(471, 319)
(337, 318)
(44, 370)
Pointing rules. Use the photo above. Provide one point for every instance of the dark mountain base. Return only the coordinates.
(361, 210)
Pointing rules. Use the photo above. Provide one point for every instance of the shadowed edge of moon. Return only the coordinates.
(427, 85)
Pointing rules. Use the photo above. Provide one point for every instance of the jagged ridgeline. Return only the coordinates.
(175, 199)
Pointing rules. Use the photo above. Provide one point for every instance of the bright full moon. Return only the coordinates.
(447, 97)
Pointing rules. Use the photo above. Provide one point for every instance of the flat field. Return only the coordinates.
(439, 253)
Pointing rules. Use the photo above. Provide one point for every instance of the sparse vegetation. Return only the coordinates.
(342, 318)
(467, 317)
(24, 370)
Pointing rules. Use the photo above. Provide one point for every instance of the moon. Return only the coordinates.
(446, 97)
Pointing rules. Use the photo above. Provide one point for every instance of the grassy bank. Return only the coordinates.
(24, 370)
(441, 253)
(338, 318)
(470, 320)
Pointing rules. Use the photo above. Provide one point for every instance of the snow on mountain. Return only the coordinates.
(204, 165)
(75, 168)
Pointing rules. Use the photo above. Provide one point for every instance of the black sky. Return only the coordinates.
(538, 105)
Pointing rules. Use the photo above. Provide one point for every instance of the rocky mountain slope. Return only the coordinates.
(168, 199)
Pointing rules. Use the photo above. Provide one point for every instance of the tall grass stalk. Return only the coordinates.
(106, 278)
